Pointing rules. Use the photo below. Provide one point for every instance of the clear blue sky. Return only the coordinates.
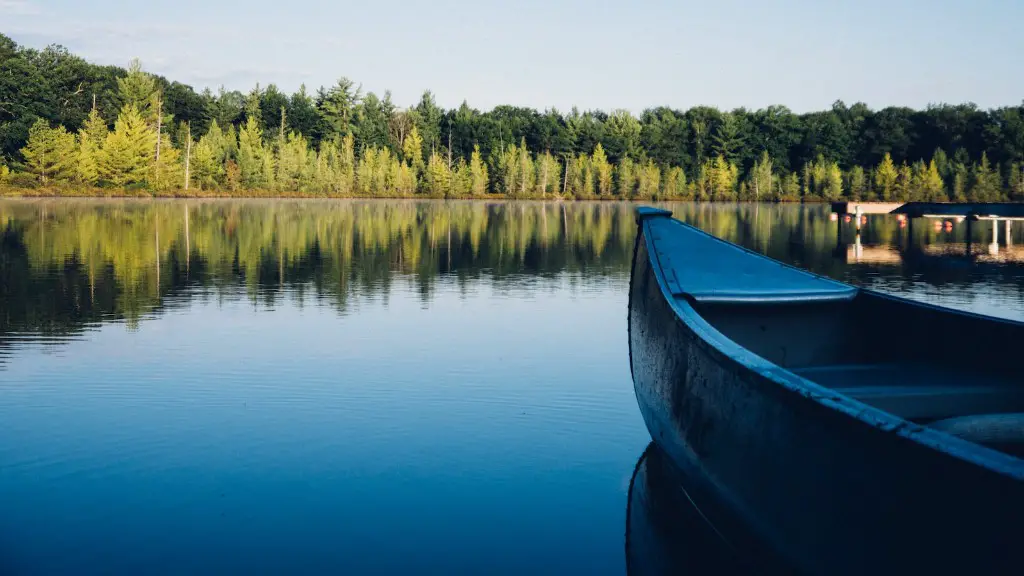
(594, 54)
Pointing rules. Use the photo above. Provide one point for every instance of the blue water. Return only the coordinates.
(307, 388)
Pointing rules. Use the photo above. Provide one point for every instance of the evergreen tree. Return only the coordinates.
(985, 182)
(88, 160)
(856, 186)
(412, 149)
(438, 176)
(139, 89)
(292, 163)
(926, 184)
(168, 172)
(626, 178)
(251, 154)
(603, 171)
(478, 173)
(548, 175)
(336, 107)
(832, 185)
(761, 177)
(648, 180)
(674, 183)
(128, 150)
(50, 152)
(206, 170)
(525, 169)
(1017, 182)
(728, 139)
(885, 178)
(725, 177)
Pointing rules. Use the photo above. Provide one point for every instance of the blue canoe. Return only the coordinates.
(832, 429)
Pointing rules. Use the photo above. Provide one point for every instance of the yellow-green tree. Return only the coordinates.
(128, 150)
(293, 159)
(602, 171)
(674, 183)
(50, 153)
(90, 143)
(168, 172)
(761, 177)
(648, 180)
(832, 187)
(477, 173)
(549, 174)
(412, 149)
(438, 176)
(724, 177)
(885, 177)
(626, 176)
(252, 154)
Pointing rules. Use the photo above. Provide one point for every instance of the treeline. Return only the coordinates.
(69, 124)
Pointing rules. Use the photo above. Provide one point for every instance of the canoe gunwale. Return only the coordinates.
(793, 388)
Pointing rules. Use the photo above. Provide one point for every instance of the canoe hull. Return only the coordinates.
(817, 490)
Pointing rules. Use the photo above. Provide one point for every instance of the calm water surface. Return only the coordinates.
(363, 386)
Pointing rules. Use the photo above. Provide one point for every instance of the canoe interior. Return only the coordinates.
(918, 363)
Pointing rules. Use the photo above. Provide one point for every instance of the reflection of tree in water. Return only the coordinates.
(69, 263)
(65, 264)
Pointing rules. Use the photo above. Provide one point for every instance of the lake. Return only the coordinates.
(364, 386)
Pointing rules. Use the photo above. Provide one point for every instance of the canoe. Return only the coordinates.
(836, 429)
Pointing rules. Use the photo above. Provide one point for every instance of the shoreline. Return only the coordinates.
(8, 192)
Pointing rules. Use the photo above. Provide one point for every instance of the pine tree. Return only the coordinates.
(549, 175)
(790, 187)
(438, 176)
(726, 175)
(832, 188)
(251, 155)
(88, 160)
(626, 173)
(603, 171)
(904, 183)
(761, 177)
(90, 142)
(985, 182)
(167, 171)
(927, 184)
(648, 180)
(140, 90)
(856, 184)
(1017, 181)
(478, 173)
(525, 169)
(885, 178)
(412, 149)
(292, 163)
(128, 151)
(50, 152)
(674, 182)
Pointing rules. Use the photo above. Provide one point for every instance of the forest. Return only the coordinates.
(69, 127)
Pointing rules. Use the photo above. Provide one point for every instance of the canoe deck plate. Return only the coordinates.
(707, 269)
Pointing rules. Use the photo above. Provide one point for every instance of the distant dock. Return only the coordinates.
(865, 207)
(972, 210)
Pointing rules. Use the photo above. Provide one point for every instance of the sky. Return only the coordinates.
(592, 54)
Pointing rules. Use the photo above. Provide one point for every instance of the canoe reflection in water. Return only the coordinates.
(666, 533)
